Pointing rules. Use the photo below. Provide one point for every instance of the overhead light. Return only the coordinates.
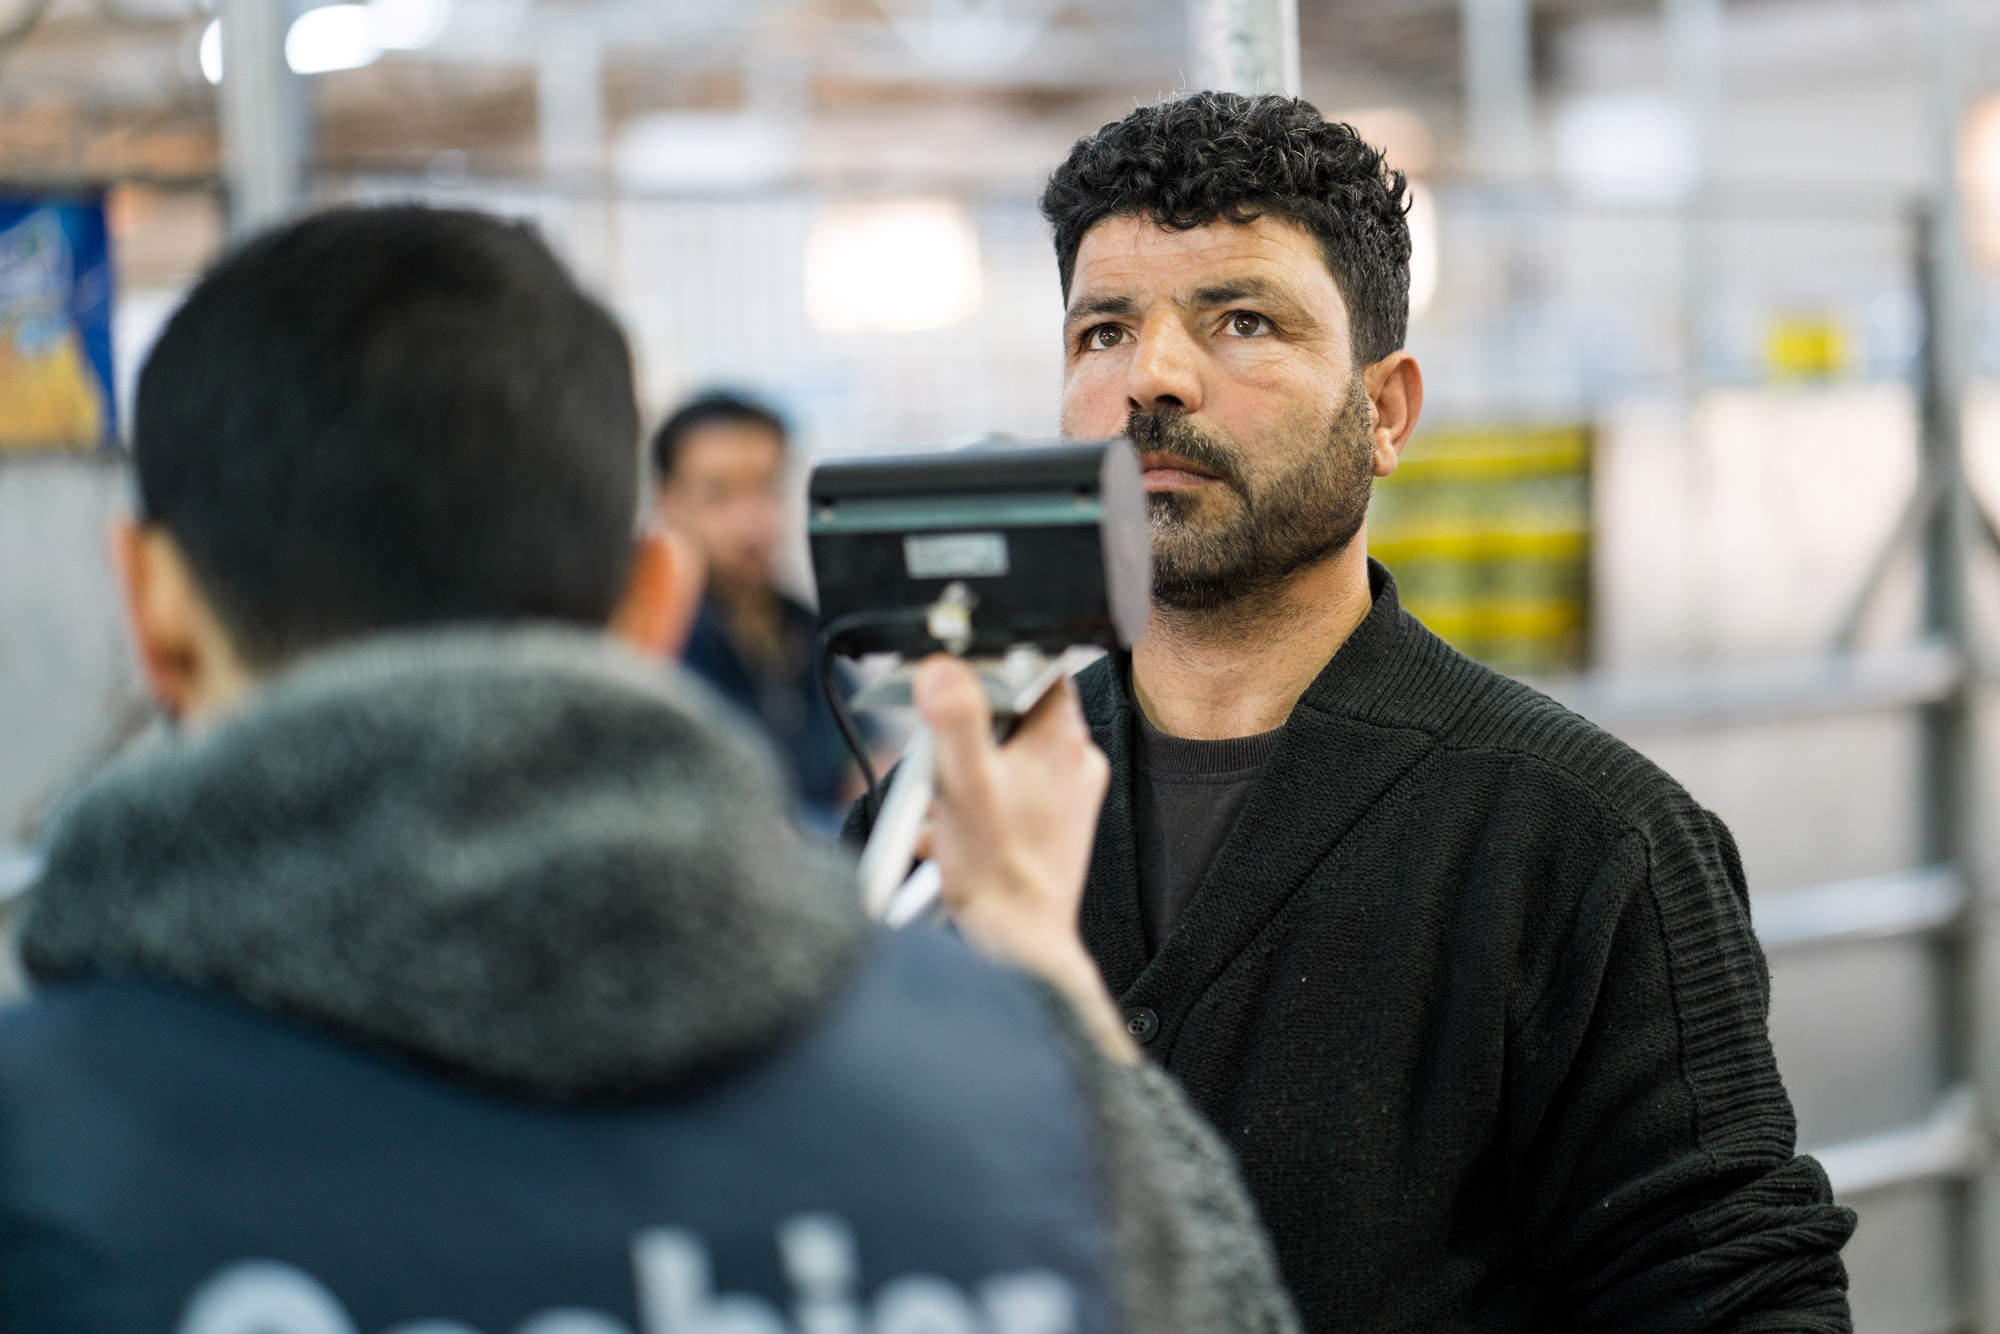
(211, 51)
(343, 36)
(893, 266)
(1979, 175)
(1626, 150)
(969, 38)
(1400, 133)
(408, 25)
(972, 46)
(332, 37)
(1423, 221)
(694, 150)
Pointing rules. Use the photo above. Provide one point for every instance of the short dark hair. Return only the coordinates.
(1208, 157)
(716, 407)
(391, 417)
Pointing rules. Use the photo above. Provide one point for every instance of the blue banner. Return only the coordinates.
(56, 286)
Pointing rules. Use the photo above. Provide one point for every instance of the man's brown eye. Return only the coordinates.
(1107, 336)
(1247, 325)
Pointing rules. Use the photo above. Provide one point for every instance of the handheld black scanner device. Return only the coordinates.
(1045, 543)
(1014, 555)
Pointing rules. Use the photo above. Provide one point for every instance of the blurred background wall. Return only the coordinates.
(1689, 458)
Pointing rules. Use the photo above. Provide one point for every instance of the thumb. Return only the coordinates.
(952, 702)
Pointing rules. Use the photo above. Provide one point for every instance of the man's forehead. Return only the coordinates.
(729, 449)
(1136, 255)
(732, 435)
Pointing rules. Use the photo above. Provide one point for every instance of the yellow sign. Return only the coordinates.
(1488, 533)
(1805, 346)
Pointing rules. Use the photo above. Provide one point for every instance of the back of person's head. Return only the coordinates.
(386, 418)
(718, 407)
(1224, 157)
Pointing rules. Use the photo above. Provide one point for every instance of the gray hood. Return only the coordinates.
(524, 854)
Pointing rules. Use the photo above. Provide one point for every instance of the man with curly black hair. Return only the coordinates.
(1469, 985)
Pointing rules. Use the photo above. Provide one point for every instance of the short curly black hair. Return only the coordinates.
(1211, 156)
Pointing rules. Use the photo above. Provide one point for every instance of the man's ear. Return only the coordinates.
(1396, 388)
(663, 595)
(190, 666)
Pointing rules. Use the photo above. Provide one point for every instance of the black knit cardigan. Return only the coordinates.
(1471, 990)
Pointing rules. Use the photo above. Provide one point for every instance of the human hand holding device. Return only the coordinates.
(1015, 556)
(1011, 832)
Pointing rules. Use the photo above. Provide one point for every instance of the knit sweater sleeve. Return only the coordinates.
(1650, 1142)
(860, 819)
(1192, 1256)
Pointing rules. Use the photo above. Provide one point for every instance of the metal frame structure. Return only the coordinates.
(262, 116)
(1244, 46)
(1947, 900)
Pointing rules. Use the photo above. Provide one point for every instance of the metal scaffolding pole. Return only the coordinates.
(1694, 55)
(569, 106)
(1946, 547)
(263, 141)
(1951, 815)
(1941, 394)
(569, 96)
(1499, 86)
(1694, 58)
(1244, 46)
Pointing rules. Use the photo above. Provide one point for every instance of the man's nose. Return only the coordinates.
(1165, 369)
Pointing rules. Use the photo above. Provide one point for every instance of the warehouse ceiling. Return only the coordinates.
(682, 97)
(97, 90)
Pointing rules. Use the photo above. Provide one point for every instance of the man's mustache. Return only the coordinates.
(1168, 431)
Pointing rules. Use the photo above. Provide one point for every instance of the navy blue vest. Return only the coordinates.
(916, 1159)
(792, 712)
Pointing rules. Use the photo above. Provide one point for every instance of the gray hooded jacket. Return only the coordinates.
(461, 953)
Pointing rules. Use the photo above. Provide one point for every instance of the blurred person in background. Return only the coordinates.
(719, 464)
(1469, 986)
(447, 965)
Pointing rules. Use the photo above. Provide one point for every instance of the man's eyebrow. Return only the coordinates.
(1260, 290)
(1095, 307)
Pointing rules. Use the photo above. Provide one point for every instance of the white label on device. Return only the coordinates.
(955, 555)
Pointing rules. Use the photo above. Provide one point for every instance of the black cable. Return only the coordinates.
(843, 717)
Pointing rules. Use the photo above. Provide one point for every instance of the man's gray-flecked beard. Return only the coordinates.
(1280, 525)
